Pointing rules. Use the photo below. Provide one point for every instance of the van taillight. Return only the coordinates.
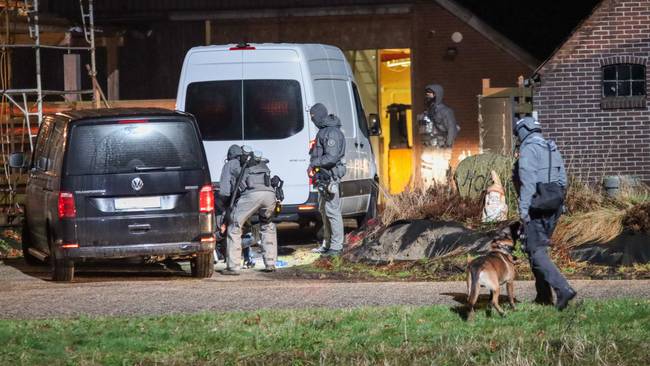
(312, 143)
(206, 199)
(127, 121)
(242, 47)
(66, 206)
(311, 173)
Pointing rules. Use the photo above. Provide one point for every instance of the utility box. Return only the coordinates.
(498, 109)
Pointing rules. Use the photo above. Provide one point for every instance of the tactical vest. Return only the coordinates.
(256, 177)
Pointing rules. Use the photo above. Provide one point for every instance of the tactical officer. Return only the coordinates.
(246, 180)
(327, 159)
(539, 164)
(438, 123)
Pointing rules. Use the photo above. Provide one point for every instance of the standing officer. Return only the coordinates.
(438, 123)
(327, 158)
(249, 182)
(541, 171)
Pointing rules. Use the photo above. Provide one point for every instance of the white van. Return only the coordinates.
(260, 95)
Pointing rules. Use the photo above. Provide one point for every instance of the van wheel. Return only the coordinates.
(26, 244)
(202, 266)
(62, 269)
(372, 209)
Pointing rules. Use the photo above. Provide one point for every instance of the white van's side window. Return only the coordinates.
(335, 95)
(361, 115)
(246, 109)
(217, 108)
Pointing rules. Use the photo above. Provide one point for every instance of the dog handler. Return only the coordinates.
(327, 156)
(542, 179)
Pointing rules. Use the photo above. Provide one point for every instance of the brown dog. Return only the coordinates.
(493, 270)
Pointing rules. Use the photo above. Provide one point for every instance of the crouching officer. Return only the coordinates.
(248, 180)
(327, 162)
(542, 179)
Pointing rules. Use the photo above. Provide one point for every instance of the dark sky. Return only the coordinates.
(538, 26)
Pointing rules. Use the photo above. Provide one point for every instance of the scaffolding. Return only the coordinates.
(19, 130)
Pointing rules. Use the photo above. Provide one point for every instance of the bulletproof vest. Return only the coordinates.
(436, 118)
(256, 177)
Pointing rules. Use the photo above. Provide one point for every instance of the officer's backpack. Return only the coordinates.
(257, 176)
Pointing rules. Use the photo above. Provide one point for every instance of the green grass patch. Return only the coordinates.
(613, 332)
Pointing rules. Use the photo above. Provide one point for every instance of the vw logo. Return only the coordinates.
(137, 184)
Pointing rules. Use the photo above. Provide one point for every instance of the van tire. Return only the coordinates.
(62, 269)
(202, 266)
(372, 209)
(26, 243)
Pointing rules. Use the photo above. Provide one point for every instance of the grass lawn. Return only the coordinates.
(612, 332)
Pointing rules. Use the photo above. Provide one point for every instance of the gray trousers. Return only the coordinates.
(538, 238)
(330, 212)
(251, 202)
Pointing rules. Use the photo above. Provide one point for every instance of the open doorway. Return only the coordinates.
(384, 80)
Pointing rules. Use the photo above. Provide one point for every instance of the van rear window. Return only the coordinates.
(246, 109)
(132, 147)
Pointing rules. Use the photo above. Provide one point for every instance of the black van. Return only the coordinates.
(117, 183)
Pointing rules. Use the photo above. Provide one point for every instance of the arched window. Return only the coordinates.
(623, 82)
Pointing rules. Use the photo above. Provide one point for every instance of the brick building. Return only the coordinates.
(592, 98)
(157, 34)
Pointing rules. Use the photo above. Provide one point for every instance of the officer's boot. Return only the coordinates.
(564, 296)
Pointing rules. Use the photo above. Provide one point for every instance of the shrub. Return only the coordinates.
(438, 202)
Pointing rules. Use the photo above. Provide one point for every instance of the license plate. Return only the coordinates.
(134, 203)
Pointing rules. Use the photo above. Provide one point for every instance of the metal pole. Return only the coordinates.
(39, 86)
(93, 66)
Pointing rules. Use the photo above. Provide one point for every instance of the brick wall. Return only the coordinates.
(597, 141)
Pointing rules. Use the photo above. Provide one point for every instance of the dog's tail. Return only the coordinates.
(474, 285)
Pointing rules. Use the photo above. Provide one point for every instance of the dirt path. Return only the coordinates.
(25, 293)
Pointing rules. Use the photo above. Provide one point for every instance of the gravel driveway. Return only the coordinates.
(26, 293)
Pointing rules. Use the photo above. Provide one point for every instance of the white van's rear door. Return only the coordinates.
(211, 81)
(275, 116)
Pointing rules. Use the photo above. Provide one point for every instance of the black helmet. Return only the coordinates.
(526, 126)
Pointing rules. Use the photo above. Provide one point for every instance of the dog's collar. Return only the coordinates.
(506, 248)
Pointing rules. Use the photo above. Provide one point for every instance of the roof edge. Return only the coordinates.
(490, 33)
(574, 32)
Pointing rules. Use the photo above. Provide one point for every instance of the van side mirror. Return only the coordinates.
(374, 125)
(17, 160)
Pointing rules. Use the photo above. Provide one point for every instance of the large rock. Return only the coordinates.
(473, 176)
(627, 249)
(419, 239)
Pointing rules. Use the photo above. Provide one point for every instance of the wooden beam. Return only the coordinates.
(12, 4)
(208, 32)
(65, 39)
(112, 69)
(47, 39)
(72, 75)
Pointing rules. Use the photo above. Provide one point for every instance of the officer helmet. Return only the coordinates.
(526, 126)
(234, 151)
